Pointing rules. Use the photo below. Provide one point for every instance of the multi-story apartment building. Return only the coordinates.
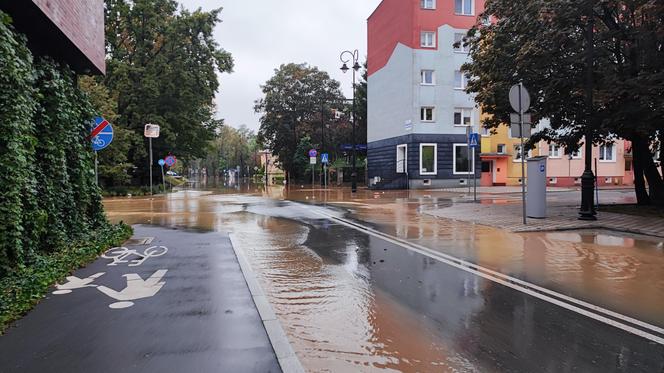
(612, 164)
(501, 157)
(418, 111)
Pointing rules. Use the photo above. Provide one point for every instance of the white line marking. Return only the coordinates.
(119, 254)
(514, 283)
(136, 288)
(74, 282)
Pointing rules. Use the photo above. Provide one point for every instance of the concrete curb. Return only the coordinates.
(282, 348)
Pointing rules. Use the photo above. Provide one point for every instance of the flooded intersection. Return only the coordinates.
(353, 299)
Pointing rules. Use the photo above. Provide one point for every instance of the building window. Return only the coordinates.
(428, 4)
(501, 149)
(607, 153)
(458, 44)
(402, 158)
(576, 154)
(554, 151)
(460, 80)
(486, 20)
(426, 114)
(464, 7)
(428, 39)
(461, 166)
(485, 131)
(428, 159)
(518, 152)
(463, 117)
(428, 77)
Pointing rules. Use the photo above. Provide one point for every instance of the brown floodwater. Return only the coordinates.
(342, 313)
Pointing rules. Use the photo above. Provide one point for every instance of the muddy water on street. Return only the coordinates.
(326, 288)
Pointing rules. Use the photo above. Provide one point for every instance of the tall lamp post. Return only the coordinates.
(587, 211)
(352, 57)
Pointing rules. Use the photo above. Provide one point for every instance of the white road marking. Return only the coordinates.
(514, 283)
(121, 255)
(74, 282)
(136, 288)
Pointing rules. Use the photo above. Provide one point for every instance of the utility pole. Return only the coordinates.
(587, 211)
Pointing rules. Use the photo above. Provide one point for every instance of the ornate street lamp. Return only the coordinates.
(352, 57)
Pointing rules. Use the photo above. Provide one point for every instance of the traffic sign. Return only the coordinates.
(161, 162)
(325, 158)
(170, 160)
(312, 160)
(102, 134)
(474, 140)
(151, 131)
(519, 98)
(313, 153)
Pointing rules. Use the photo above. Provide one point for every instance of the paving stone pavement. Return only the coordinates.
(560, 217)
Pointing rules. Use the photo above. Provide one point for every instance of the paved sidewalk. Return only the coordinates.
(560, 217)
(184, 309)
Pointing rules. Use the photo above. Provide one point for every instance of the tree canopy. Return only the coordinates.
(544, 45)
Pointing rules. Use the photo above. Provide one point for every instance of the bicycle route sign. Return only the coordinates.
(102, 134)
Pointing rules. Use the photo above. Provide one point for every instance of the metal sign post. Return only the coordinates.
(101, 136)
(520, 102)
(151, 131)
(163, 179)
(468, 156)
(474, 143)
(325, 159)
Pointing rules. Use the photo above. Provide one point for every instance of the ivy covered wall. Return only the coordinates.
(48, 196)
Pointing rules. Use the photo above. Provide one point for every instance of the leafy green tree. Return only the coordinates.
(544, 46)
(294, 100)
(163, 69)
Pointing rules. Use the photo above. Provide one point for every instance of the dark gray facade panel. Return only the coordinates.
(382, 158)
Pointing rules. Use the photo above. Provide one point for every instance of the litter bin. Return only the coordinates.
(536, 195)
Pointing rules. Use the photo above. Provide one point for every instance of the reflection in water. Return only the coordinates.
(351, 302)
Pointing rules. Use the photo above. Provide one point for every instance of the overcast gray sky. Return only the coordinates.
(262, 34)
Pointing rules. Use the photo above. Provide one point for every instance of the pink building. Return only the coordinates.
(612, 164)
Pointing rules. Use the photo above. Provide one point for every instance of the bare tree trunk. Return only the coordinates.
(661, 151)
(655, 182)
(642, 196)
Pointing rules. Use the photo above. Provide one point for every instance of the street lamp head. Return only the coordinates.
(357, 66)
(344, 68)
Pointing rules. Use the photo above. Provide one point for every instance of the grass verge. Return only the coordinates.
(23, 288)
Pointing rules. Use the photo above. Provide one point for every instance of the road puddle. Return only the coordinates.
(348, 302)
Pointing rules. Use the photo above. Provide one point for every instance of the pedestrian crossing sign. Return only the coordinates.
(325, 158)
(474, 140)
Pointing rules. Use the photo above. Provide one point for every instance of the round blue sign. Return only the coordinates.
(161, 162)
(102, 134)
(313, 153)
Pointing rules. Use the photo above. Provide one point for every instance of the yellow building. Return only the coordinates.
(501, 161)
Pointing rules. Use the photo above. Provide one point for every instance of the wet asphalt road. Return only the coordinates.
(202, 320)
(349, 300)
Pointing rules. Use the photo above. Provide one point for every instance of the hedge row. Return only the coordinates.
(48, 196)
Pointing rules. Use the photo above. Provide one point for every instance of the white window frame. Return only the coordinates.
(577, 154)
(463, 3)
(558, 153)
(423, 74)
(485, 132)
(463, 111)
(461, 49)
(464, 80)
(435, 159)
(602, 153)
(424, 39)
(472, 160)
(423, 115)
(518, 146)
(402, 165)
(424, 4)
(504, 148)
